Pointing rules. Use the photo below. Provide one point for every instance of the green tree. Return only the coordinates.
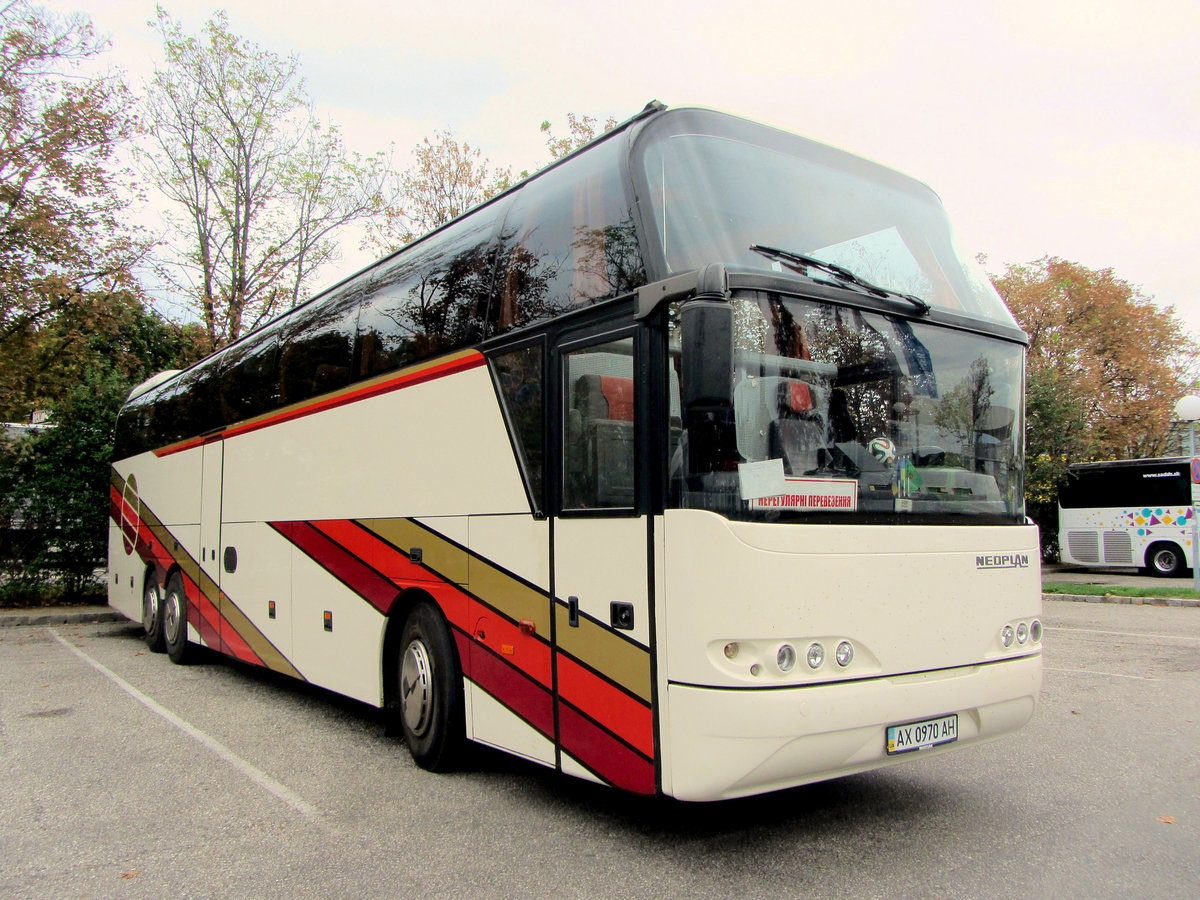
(258, 185)
(1105, 367)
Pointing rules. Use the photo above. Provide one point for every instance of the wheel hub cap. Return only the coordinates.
(416, 688)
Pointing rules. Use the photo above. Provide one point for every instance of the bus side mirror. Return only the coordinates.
(706, 384)
(706, 363)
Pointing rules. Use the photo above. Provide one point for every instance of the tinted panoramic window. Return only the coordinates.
(1127, 486)
(568, 240)
(318, 348)
(250, 376)
(431, 299)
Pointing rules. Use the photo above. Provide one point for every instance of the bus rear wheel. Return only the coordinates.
(1165, 560)
(152, 607)
(430, 691)
(174, 615)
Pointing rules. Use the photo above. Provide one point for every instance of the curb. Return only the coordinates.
(43, 617)
(1131, 601)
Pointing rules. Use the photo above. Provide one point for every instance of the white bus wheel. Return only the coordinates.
(152, 607)
(430, 691)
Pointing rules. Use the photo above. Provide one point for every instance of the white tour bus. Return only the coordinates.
(1128, 512)
(692, 465)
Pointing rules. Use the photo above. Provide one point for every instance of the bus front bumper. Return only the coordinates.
(720, 744)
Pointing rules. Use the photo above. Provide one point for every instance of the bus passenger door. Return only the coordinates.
(600, 541)
(205, 618)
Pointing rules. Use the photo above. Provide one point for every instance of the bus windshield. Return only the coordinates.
(854, 414)
(714, 195)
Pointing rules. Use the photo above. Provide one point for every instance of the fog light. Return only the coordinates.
(731, 650)
(756, 670)
(844, 654)
(1022, 633)
(816, 656)
(1035, 631)
(1006, 636)
(786, 657)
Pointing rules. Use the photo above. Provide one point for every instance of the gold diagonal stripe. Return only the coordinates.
(255, 639)
(439, 554)
(503, 592)
(626, 663)
(229, 611)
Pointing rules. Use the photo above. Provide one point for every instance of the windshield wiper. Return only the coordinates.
(800, 263)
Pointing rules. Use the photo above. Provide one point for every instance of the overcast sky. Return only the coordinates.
(1063, 128)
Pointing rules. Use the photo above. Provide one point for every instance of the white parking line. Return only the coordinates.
(1141, 634)
(262, 779)
(1105, 674)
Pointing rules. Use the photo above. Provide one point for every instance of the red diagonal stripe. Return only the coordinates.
(340, 563)
(627, 717)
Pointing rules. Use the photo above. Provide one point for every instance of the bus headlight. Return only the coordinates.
(843, 654)
(1022, 633)
(786, 657)
(1035, 631)
(731, 650)
(816, 656)
(1006, 635)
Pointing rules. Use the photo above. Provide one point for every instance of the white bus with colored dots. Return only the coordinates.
(1128, 513)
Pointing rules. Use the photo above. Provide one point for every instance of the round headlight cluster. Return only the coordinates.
(779, 659)
(1022, 633)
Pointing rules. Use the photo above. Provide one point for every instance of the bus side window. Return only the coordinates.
(598, 431)
(318, 350)
(519, 373)
(433, 299)
(568, 240)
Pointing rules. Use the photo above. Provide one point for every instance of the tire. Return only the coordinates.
(430, 691)
(152, 618)
(175, 621)
(1165, 560)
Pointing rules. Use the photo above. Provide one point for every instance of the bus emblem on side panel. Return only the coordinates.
(1003, 561)
(129, 515)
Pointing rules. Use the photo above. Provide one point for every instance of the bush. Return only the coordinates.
(54, 498)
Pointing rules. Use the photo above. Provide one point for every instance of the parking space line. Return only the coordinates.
(1105, 674)
(262, 779)
(1141, 634)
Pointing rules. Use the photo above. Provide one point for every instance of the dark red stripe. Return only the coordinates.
(342, 565)
(603, 754)
(511, 687)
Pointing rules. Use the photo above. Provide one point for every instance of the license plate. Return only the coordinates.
(922, 735)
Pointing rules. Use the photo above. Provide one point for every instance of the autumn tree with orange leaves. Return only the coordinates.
(1105, 367)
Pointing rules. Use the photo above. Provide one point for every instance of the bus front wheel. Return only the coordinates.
(174, 615)
(1165, 560)
(152, 607)
(430, 691)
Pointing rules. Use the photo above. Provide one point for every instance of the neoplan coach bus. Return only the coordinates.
(692, 464)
